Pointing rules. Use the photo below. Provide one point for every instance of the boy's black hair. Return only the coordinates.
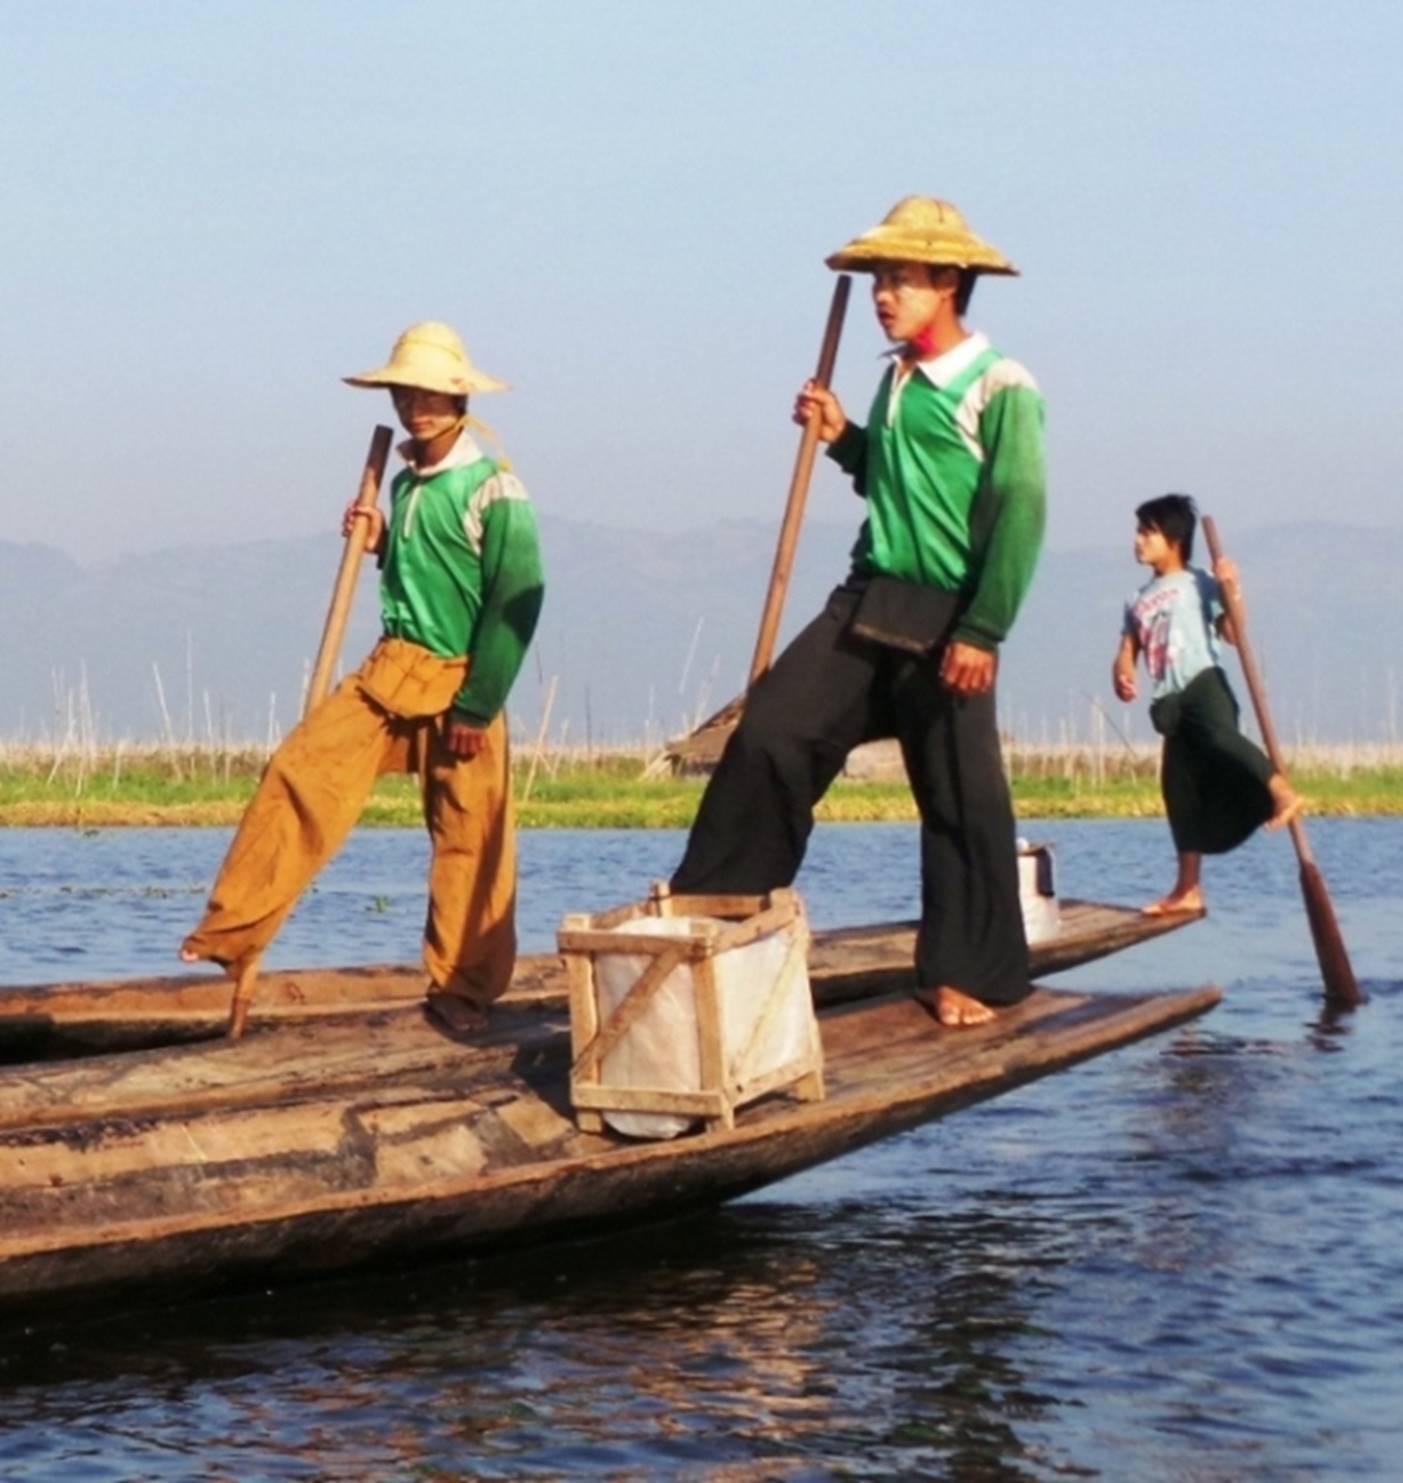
(965, 289)
(1175, 517)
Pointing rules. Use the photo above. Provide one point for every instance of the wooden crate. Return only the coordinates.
(728, 1079)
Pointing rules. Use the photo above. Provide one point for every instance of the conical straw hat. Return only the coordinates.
(920, 229)
(431, 357)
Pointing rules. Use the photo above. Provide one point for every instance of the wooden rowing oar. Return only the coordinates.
(799, 488)
(344, 590)
(246, 975)
(1341, 987)
(721, 723)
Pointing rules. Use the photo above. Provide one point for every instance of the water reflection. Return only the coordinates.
(885, 1334)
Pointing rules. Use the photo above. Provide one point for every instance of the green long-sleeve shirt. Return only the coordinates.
(951, 465)
(461, 571)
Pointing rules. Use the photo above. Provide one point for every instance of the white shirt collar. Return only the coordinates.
(462, 453)
(940, 370)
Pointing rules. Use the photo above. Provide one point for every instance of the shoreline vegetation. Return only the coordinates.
(144, 784)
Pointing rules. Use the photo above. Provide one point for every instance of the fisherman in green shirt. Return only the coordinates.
(950, 465)
(460, 592)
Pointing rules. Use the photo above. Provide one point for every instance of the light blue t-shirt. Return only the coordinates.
(1175, 619)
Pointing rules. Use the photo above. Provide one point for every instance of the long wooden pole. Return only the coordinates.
(246, 979)
(798, 489)
(1341, 987)
(345, 588)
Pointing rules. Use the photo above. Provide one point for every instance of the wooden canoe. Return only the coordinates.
(317, 1143)
(80, 1018)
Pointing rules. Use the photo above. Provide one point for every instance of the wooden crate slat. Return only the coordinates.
(583, 939)
(651, 1099)
(627, 1012)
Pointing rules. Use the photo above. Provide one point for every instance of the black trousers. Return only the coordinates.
(1214, 780)
(829, 692)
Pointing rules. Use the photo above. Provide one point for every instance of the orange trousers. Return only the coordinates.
(311, 793)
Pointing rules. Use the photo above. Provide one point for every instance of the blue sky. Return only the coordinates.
(215, 210)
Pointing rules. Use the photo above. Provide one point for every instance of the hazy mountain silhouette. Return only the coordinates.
(648, 630)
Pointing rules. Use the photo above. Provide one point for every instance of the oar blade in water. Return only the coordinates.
(1341, 987)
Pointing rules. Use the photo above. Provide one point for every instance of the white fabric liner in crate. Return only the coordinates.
(660, 1049)
(1037, 892)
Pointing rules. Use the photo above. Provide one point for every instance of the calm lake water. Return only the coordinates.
(1183, 1260)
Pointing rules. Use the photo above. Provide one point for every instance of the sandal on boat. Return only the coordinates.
(456, 1013)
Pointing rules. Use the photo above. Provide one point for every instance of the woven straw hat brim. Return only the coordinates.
(922, 229)
(883, 245)
(455, 383)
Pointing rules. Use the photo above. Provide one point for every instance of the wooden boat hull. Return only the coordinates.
(348, 1126)
(85, 1018)
(184, 1168)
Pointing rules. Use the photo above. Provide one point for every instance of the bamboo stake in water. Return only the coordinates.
(342, 593)
(540, 740)
(1341, 987)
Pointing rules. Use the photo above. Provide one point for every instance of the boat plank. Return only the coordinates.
(309, 1057)
(281, 1064)
(844, 962)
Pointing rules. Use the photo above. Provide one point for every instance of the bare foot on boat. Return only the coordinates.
(1287, 804)
(1175, 901)
(455, 1013)
(954, 1009)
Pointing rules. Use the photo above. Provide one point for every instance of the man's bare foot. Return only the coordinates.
(1287, 804)
(954, 1009)
(456, 1013)
(1175, 901)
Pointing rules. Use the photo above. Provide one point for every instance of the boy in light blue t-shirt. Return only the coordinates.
(1218, 787)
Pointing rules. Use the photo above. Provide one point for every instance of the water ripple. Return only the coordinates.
(1179, 1262)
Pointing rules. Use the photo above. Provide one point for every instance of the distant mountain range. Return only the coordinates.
(647, 631)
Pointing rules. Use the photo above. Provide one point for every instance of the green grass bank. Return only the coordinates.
(146, 785)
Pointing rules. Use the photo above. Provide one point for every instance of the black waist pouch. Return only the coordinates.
(906, 615)
(1167, 712)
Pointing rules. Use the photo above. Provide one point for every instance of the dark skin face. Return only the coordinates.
(432, 418)
(1156, 551)
(915, 306)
